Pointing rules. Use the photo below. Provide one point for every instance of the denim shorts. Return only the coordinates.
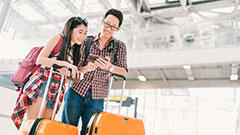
(50, 104)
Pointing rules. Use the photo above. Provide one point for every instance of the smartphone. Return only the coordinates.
(92, 58)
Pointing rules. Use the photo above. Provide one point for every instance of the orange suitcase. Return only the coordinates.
(48, 127)
(105, 123)
(41, 126)
(112, 124)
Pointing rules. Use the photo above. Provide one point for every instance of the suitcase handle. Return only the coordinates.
(120, 76)
(110, 86)
(55, 66)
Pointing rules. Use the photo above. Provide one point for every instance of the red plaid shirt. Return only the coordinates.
(31, 92)
(98, 80)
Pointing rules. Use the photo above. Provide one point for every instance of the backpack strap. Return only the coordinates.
(58, 47)
(115, 48)
(89, 40)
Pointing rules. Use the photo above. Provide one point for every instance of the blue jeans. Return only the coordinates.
(76, 106)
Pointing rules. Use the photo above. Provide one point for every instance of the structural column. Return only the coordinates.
(3, 13)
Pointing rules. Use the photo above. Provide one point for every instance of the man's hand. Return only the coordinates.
(91, 66)
(103, 64)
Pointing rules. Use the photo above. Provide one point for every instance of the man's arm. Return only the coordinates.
(119, 66)
(105, 64)
(118, 70)
(90, 67)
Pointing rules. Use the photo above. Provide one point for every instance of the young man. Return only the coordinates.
(86, 97)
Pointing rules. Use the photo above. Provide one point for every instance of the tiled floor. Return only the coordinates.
(7, 102)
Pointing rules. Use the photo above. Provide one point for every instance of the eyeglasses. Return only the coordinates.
(81, 20)
(107, 25)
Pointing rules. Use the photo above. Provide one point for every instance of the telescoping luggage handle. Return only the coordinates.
(110, 87)
(54, 66)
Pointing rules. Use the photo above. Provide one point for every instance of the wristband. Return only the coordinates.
(111, 68)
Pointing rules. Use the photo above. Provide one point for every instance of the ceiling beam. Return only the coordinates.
(105, 4)
(22, 20)
(145, 6)
(153, 84)
(176, 9)
(234, 72)
(163, 77)
(166, 13)
(189, 72)
(3, 13)
(205, 6)
(152, 58)
(88, 16)
(40, 9)
(139, 73)
(81, 8)
(70, 6)
(215, 12)
(234, 69)
(200, 15)
(164, 20)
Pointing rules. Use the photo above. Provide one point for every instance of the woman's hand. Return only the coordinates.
(63, 71)
(75, 74)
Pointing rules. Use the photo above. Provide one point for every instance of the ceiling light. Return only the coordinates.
(234, 77)
(142, 78)
(186, 67)
(191, 78)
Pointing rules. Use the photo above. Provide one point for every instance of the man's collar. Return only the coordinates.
(98, 35)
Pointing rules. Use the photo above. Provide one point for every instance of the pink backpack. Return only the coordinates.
(28, 65)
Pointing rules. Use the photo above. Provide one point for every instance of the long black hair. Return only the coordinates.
(72, 23)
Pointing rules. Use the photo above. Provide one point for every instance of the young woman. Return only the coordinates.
(73, 34)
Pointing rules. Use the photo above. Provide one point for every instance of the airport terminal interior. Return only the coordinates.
(183, 58)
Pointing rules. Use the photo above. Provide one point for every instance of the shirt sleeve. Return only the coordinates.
(121, 59)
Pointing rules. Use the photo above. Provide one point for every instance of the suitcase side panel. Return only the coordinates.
(110, 124)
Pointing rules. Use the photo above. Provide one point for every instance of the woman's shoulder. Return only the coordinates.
(56, 38)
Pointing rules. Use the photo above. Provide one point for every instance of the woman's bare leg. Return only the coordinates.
(34, 109)
(47, 113)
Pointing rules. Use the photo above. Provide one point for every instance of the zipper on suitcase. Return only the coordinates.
(95, 130)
